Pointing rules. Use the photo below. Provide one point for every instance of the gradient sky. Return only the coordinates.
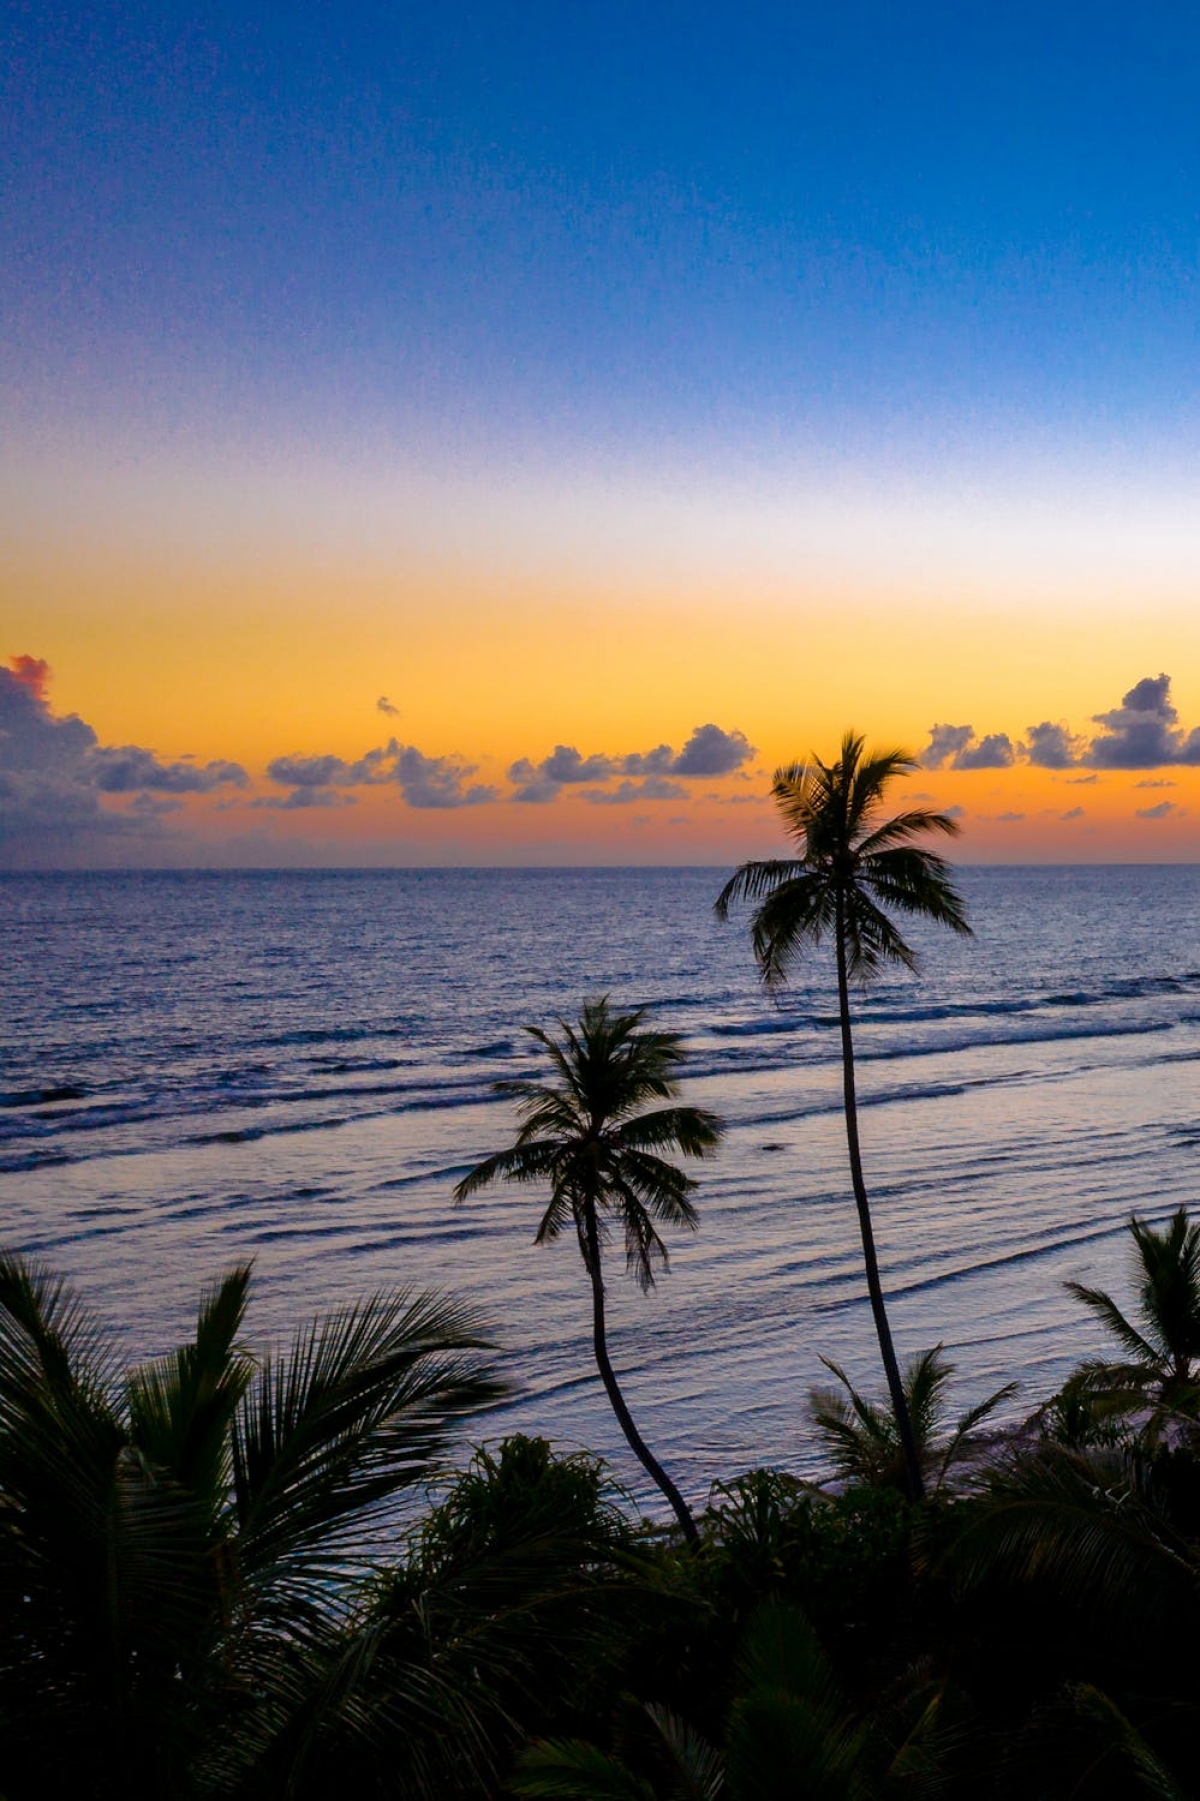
(629, 399)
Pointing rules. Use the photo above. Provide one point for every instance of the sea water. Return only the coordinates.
(200, 1068)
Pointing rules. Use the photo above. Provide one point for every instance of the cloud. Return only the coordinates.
(993, 752)
(1008, 818)
(384, 705)
(1142, 732)
(1161, 811)
(1082, 781)
(710, 751)
(301, 799)
(957, 746)
(532, 786)
(655, 787)
(1051, 746)
(567, 766)
(333, 772)
(1072, 813)
(32, 673)
(438, 782)
(130, 770)
(55, 780)
(650, 762)
(1156, 784)
(425, 782)
(945, 743)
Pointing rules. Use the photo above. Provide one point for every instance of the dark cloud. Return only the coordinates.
(1156, 784)
(1161, 811)
(957, 746)
(1008, 818)
(55, 778)
(711, 751)
(532, 785)
(301, 799)
(385, 706)
(945, 743)
(425, 782)
(1072, 813)
(658, 761)
(655, 787)
(567, 766)
(128, 769)
(1142, 733)
(333, 772)
(993, 752)
(1083, 781)
(437, 782)
(1052, 746)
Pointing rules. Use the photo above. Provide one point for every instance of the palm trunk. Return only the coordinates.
(912, 1463)
(612, 1388)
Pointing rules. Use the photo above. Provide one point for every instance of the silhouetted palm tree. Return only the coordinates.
(173, 1537)
(852, 868)
(1163, 1350)
(585, 1134)
(862, 1438)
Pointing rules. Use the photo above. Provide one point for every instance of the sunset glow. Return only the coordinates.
(543, 423)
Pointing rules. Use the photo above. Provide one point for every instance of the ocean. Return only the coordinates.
(200, 1068)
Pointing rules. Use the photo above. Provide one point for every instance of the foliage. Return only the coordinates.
(861, 1436)
(1161, 1351)
(174, 1536)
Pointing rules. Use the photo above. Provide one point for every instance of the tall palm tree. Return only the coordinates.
(587, 1136)
(1163, 1349)
(852, 866)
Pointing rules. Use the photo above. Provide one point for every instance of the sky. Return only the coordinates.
(504, 433)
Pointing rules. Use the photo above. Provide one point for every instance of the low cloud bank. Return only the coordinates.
(1142, 733)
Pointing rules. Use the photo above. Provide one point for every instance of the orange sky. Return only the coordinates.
(247, 613)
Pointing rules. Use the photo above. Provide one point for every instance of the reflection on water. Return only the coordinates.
(297, 1067)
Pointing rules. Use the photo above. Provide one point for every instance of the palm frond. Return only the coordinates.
(181, 1406)
(755, 880)
(355, 1411)
(1110, 1315)
(572, 1770)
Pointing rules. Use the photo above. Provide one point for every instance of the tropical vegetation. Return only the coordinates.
(229, 1574)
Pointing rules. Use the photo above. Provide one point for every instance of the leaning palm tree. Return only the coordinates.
(587, 1136)
(852, 868)
(1162, 1351)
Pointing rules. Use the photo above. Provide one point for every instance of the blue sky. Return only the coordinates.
(952, 231)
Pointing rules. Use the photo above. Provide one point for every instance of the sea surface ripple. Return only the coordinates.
(296, 1067)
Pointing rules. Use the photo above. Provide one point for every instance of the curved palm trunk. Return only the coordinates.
(912, 1463)
(612, 1388)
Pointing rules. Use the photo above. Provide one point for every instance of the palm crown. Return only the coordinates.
(586, 1136)
(1163, 1346)
(852, 865)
